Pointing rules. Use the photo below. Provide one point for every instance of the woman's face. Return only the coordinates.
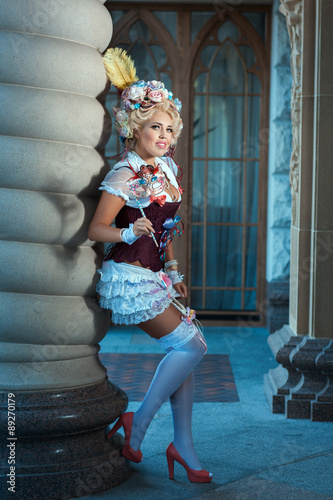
(154, 139)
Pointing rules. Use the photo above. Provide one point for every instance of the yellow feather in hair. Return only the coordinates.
(119, 68)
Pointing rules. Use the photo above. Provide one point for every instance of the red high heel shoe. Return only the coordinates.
(195, 476)
(126, 421)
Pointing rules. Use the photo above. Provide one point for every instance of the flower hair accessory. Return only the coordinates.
(145, 95)
(121, 123)
(134, 93)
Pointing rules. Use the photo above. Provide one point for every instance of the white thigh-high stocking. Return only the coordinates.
(188, 348)
(181, 404)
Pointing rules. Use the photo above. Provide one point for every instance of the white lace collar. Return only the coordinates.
(136, 161)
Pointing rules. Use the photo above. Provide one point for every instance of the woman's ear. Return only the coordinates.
(136, 134)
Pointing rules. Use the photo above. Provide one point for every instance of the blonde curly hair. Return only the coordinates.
(138, 117)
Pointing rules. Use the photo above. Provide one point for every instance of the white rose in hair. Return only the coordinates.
(135, 93)
(165, 93)
(121, 116)
(156, 84)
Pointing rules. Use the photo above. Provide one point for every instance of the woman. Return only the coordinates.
(142, 196)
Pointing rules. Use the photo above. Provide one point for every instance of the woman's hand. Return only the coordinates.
(181, 288)
(143, 226)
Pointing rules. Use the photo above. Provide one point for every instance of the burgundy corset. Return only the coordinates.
(144, 248)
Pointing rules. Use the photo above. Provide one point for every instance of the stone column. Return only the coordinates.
(279, 198)
(301, 386)
(52, 127)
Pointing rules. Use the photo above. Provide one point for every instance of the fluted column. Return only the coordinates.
(52, 127)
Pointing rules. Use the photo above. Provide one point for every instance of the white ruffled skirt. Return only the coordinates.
(133, 294)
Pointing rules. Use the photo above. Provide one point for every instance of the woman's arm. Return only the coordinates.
(169, 252)
(107, 210)
(180, 287)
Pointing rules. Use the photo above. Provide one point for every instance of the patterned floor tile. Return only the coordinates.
(213, 379)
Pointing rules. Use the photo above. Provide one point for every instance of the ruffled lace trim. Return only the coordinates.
(116, 289)
(138, 317)
(111, 278)
(180, 336)
(132, 297)
(133, 303)
(116, 192)
(143, 304)
(133, 294)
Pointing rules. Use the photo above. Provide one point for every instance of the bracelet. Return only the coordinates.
(172, 268)
(171, 263)
(127, 235)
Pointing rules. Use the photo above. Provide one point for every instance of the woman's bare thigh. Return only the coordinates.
(163, 324)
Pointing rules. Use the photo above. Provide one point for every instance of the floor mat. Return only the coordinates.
(213, 378)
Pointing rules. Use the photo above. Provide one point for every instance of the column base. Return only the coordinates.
(61, 450)
(277, 293)
(273, 382)
(301, 387)
(322, 412)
